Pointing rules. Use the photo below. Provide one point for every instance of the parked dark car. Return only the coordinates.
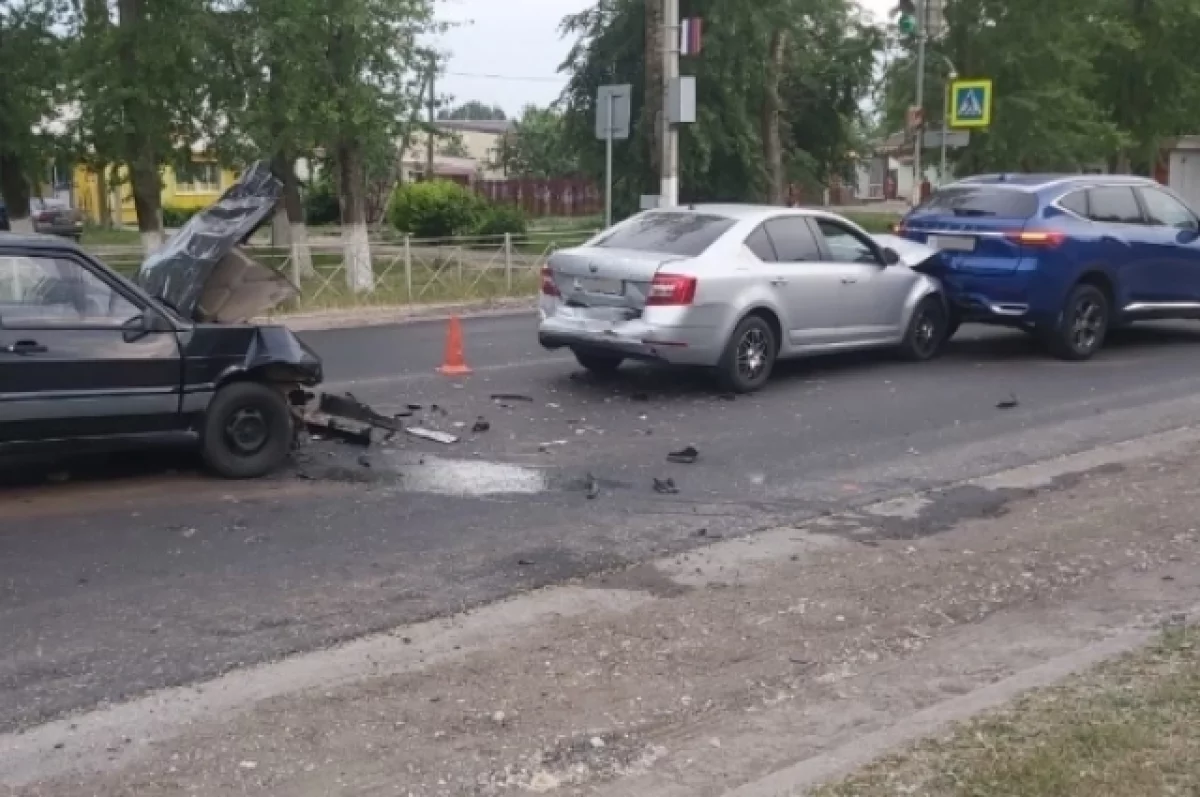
(55, 217)
(1067, 257)
(91, 360)
(4, 226)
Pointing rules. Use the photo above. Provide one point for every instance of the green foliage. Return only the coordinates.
(826, 72)
(498, 220)
(435, 209)
(474, 110)
(176, 217)
(321, 204)
(538, 146)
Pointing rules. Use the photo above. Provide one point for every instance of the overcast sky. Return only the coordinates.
(508, 53)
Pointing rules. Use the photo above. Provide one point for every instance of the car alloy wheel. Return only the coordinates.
(926, 331)
(752, 354)
(1087, 324)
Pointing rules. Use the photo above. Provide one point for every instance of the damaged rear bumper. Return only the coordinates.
(635, 339)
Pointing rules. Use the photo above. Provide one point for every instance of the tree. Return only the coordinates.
(757, 60)
(473, 111)
(371, 83)
(537, 146)
(30, 53)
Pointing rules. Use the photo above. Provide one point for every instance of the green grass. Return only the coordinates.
(874, 222)
(1130, 728)
(98, 236)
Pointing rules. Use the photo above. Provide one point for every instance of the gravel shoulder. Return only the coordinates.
(748, 667)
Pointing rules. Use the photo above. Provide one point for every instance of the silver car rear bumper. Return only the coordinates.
(637, 339)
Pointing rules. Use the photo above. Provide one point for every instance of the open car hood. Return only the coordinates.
(202, 272)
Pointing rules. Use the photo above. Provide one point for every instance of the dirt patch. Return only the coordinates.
(1128, 729)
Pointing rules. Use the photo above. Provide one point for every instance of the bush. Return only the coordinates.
(497, 220)
(436, 209)
(175, 217)
(321, 204)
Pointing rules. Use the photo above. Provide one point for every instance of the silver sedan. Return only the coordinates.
(736, 287)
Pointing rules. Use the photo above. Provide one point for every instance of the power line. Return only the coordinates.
(512, 78)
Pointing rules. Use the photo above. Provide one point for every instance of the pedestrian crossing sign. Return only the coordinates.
(970, 103)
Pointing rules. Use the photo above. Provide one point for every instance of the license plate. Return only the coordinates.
(951, 243)
(598, 285)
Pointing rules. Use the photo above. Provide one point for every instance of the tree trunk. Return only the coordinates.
(288, 228)
(360, 276)
(103, 211)
(140, 154)
(15, 190)
(772, 136)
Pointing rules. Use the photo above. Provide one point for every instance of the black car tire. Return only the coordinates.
(599, 364)
(247, 431)
(1081, 327)
(928, 330)
(749, 356)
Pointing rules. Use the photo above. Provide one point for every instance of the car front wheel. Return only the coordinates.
(928, 330)
(1082, 326)
(749, 356)
(247, 431)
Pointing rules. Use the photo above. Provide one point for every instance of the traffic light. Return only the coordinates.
(906, 13)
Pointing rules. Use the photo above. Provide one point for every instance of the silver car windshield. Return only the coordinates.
(674, 233)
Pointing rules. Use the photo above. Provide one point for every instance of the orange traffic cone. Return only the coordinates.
(454, 364)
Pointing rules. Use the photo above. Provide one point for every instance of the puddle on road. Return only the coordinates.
(459, 477)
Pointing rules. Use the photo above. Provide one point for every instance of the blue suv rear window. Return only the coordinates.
(981, 201)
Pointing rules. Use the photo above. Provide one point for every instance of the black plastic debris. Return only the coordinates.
(511, 397)
(728, 397)
(329, 427)
(481, 425)
(352, 409)
(665, 487)
(593, 487)
(640, 397)
(415, 408)
(1009, 403)
(686, 456)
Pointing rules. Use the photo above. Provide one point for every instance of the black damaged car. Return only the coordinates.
(92, 361)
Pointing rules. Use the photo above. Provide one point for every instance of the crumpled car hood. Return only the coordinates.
(912, 254)
(200, 271)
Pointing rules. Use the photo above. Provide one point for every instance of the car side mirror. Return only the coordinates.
(890, 257)
(154, 321)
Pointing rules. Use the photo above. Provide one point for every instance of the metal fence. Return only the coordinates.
(405, 270)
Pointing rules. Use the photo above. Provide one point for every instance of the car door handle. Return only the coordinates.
(25, 347)
(848, 280)
(779, 281)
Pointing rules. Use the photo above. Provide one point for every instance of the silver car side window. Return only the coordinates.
(793, 240)
(845, 246)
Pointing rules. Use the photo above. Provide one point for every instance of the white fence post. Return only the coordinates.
(508, 264)
(408, 266)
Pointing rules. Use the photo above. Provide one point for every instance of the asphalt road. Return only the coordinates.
(124, 579)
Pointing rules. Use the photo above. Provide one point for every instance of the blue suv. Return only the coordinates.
(1064, 257)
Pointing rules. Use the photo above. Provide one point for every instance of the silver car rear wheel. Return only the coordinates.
(749, 356)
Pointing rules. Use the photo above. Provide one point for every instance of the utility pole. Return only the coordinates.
(922, 36)
(669, 188)
(430, 134)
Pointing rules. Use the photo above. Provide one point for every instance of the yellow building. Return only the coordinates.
(199, 187)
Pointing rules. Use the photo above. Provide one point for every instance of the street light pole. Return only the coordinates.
(669, 188)
(919, 143)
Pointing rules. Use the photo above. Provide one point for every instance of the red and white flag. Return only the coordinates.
(690, 36)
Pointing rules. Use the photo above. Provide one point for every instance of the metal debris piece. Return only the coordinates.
(329, 427)
(352, 409)
(431, 434)
(1009, 403)
(511, 397)
(665, 487)
(481, 425)
(593, 487)
(685, 457)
